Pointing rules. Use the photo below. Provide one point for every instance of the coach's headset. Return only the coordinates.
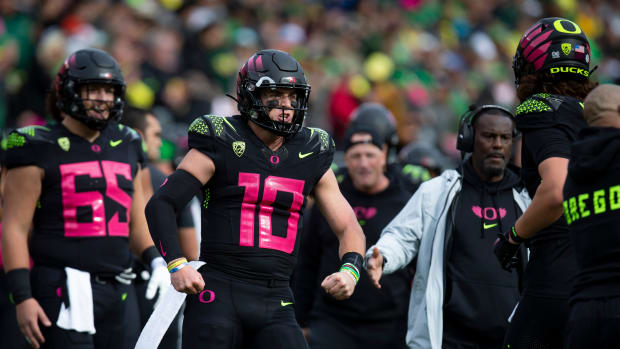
(465, 138)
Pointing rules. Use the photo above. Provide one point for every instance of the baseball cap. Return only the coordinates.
(376, 137)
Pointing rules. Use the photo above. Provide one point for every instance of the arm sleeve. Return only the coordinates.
(400, 239)
(164, 205)
(305, 279)
(185, 219)
(547, 143)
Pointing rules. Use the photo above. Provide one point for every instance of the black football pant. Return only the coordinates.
(327, 332)
(594, 324)
(231, 314)
(108, 306)
(538, 323)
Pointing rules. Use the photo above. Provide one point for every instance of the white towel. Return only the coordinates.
(80, 315)
(162, 316)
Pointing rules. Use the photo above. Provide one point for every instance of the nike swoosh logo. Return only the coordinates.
(163, 254)
(115, 143)
(487, 226)
(284, 304)
(301, 156)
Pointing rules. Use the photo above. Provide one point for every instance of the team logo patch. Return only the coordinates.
(238, 148)
(64, 144)
(566, 48)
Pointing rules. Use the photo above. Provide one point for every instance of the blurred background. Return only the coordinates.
(425, 60)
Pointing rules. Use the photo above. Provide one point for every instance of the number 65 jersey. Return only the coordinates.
(81, 219)
(252, 206)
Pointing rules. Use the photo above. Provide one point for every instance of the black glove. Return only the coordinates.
(506, 252)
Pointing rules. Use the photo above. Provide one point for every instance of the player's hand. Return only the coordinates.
(306, 332)
(29, 313)
(340, 285)
(159, 281)
(187, 280)
(374, 266)
(505, 250)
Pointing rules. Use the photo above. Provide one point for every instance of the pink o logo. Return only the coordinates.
(95, 147)
(274, 159)
(201, 296)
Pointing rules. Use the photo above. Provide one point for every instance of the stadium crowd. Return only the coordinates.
(435, 73)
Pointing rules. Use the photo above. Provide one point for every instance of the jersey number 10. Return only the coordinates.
(273, 184)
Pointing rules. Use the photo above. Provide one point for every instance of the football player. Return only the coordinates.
(552, 69)
(254, 171)
(78, 183)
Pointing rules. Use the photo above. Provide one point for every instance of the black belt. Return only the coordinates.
(271, 283)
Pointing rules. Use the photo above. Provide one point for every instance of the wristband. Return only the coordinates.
(515, 237)
(149, 254)
(178, 267)
(19, 285)
(352, 263)
(351, 269)
(176, 263)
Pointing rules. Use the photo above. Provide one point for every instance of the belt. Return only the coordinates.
(271, 283)
(103, 279)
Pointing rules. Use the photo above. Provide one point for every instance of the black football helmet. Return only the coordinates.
(553, 44)
(89, 66)
(272, 69)
(379, 118)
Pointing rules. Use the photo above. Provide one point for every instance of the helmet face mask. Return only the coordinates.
(89, 67)
(276, 71)
(554, 45)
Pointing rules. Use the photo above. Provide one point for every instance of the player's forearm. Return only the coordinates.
(352, 240)
(546, 208)
(15, 247)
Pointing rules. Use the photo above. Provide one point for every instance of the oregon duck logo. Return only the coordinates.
(64, 144)
(238, 148)
(566, 48)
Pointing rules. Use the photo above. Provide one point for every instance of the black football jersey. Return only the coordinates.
(550, 124)
(252, 207)
(82, 216)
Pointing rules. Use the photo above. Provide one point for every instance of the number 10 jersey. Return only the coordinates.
(252, 206)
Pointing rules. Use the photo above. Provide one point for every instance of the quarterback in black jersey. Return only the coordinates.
(592, 212)
(551, 67)
(78, 182)
(255, 171)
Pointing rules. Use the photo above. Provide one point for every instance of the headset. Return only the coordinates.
(465, 138)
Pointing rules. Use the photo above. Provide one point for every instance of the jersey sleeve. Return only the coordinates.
(201, 137)
(21, 149)
(324, 144)
(137, 145)
(547, 143)
(547, 122)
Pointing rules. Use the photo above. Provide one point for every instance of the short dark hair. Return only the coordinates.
(135, 118)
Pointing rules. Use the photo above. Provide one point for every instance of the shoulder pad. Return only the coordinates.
(216, 124)
(20, 136)
(129, 132)
(541, 102)
(321, 136)
(535, 104)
